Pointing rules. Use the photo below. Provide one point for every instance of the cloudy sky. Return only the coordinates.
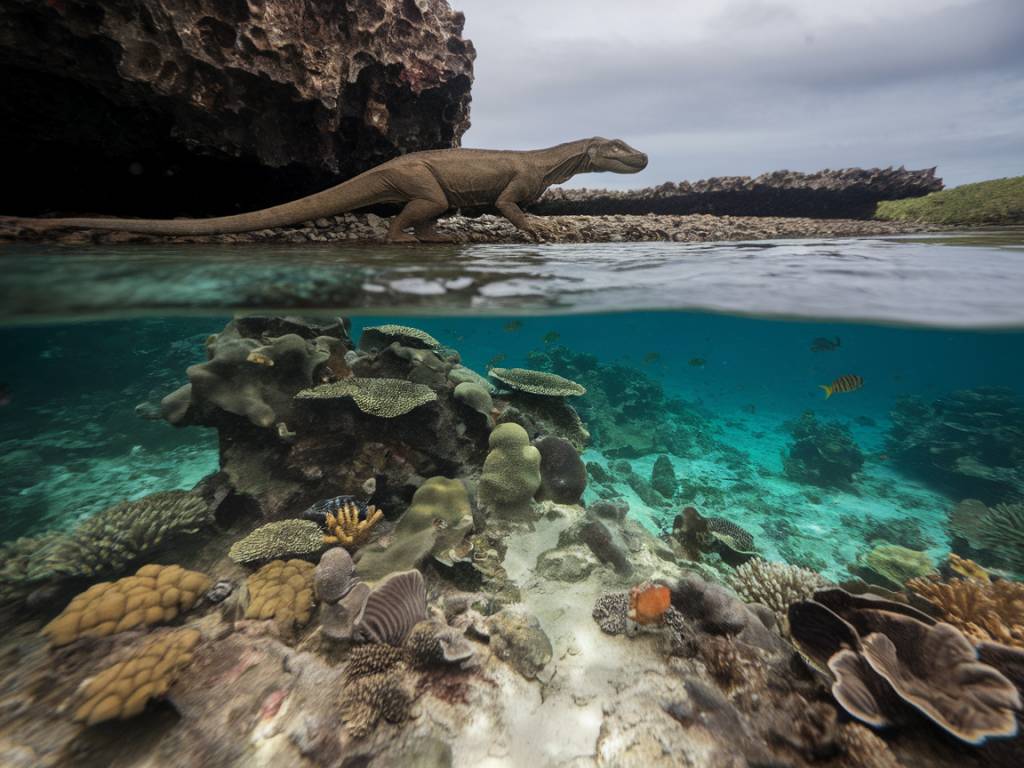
(739, 87)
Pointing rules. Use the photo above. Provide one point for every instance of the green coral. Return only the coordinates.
(475, 396)
(537, 382)
(110, 540)
(384, 398)
(438, 519)
(460, 374)
(282, 539)
(511, 473)
(378, 336)
(896, 565)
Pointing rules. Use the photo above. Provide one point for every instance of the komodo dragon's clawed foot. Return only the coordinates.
(401, 238)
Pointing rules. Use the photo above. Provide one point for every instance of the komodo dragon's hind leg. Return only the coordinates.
(416, 213)
(426, 232)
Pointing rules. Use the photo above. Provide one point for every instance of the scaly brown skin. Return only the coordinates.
(428, 183)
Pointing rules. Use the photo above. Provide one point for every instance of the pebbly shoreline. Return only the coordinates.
(369, 228)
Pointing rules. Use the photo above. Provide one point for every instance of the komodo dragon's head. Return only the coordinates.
(614, 155)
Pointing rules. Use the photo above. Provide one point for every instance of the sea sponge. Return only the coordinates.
(375, 338)
(394, 607)
(276, 540)
(154, 595)
(537, 382)
(563, 475)
(282, 590)
(384, 398)
(438, 519)
(776, 585)
(982, 611)
(369, 699)
(648, 603)
(121, 690)
(511, 472)
(125, 532)
(895, 565)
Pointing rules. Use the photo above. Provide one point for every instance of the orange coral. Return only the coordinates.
(968, 568)
(983, 612)
(344, 527)
(648, 603)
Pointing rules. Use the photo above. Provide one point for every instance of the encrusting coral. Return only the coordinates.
(345, 527)
(983, 611)
(121, 690)
(155, 594)
(276, 540)
(776, 585)
(384, 398)
(537, 382)
(283, 591)
(511, 472)
(112, 539)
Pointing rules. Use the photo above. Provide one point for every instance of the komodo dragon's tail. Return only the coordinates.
(360, 191)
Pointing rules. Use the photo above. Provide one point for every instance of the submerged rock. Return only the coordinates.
(517, 638)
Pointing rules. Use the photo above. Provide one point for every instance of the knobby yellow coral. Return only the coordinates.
(283, 591)
(121, 690)
(155, 594)
(345, 527)
(983, 612)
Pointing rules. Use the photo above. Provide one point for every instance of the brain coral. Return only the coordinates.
(511, 472)
(121, 690)
(155, 594)
(108, 541)
(537, 382)
(283, 591)
(277, 540)
(384, 398)
(379, 336)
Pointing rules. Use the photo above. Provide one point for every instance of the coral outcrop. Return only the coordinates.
(663, 477)
(563, 476)
(156, 594)
(282, 590)
(969, 443)
(215, 107)
(273, 541)
(121, 690)
(822, 453)
(846, 193)
(511, 472)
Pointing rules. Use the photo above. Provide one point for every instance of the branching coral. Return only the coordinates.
(121, 690)
(776, 585)
(611, 612)
(276, 540)
(983, 612)
(282, 591)
(345, 527)
(368, 699)
(372, 659)
(155, 594)
(112, 539)
(384, 398)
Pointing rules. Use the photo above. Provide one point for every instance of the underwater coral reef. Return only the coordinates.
(405, 558)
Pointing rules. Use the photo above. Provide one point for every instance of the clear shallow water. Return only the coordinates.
(970, 280)
(715, 383)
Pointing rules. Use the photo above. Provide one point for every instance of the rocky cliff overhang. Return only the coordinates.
(164, 107)
(851, 193)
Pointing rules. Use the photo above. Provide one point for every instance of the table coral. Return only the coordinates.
(121, 690)
(384, 398)
(154, 595)
(537, 382)
(983, 611)
(276, 540)
(376, 337)
(283, 591)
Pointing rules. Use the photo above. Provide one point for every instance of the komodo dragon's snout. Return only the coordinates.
(426, 183)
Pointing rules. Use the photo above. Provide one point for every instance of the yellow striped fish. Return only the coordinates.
(847, 383)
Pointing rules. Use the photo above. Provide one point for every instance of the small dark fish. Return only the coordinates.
(821, 344)
(496, 360)
(697, 362)
(318, 512)
(848, 383)
(652, 357)
(550, 337)
(513, 325)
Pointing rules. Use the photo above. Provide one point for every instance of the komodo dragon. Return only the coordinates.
(428, 183)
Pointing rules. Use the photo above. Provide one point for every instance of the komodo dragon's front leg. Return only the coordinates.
(508, 206)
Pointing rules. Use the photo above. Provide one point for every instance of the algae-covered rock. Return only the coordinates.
(511, 472)
(438, 519)
(384, 398)
(562, 472)
(517, 638)
(663, 477)
(277, 540)
(892, 566)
